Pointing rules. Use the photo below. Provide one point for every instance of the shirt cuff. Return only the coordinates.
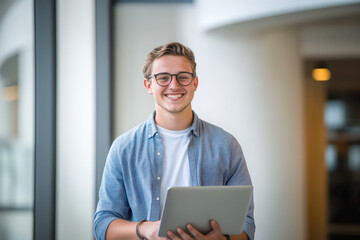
(102, 226)
(249, 229)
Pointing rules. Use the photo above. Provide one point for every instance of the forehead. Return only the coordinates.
(171, 64)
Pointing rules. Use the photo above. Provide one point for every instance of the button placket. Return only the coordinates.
(158, 171)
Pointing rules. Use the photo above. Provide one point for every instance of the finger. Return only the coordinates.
(183, 234)
(172, 235)
(195, 232)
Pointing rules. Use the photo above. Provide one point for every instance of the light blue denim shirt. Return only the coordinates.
(130, 187)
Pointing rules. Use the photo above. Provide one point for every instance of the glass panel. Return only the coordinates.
(354, 157)
(331, 157)
(16, 119)
(335, 114)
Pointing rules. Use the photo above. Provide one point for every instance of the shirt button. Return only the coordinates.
(195, 132)
(157, 199)
(149, 135)
(158, 154)
(158, 178)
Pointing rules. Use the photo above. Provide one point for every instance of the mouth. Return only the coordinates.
(174, 96)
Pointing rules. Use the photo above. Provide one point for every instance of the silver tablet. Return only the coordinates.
(228, 205)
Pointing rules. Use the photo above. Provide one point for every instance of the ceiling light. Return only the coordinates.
(321, 73)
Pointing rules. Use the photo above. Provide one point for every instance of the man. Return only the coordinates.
(172, 148)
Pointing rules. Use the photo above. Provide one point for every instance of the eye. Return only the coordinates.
(162, 77)
(184, 77)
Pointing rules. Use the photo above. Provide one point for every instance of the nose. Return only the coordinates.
(174, 83)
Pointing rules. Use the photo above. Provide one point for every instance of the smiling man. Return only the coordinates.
(172, 148)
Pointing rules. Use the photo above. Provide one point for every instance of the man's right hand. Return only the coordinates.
(149, 230)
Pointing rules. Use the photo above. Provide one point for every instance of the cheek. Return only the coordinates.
(192, 90)
(157, 93)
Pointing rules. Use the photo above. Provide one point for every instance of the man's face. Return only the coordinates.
(173, 98)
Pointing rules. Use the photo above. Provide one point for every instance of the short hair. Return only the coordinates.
(172, 48)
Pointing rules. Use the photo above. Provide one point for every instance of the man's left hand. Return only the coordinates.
(214, 234)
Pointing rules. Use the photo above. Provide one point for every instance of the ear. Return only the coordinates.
(196, 82)
(147, 85)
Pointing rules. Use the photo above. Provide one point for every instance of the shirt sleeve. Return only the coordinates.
(239, 175)
(113, 202)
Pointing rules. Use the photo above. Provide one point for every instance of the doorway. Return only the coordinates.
(333, 150)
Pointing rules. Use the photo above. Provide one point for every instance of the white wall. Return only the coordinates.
(75, 197)
(340, 40)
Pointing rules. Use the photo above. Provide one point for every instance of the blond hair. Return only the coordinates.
(172, 48)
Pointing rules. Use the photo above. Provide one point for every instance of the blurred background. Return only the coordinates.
(282, 76)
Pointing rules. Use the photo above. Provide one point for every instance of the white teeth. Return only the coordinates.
(174, 96)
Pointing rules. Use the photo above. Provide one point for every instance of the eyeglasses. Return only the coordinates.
(164, 79)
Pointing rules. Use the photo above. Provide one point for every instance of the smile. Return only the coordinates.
(174, 96)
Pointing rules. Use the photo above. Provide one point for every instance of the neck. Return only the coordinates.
(174, 121)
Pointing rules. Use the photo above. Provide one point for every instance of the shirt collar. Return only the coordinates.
(152, 130)
(195, 125)
(151, 126)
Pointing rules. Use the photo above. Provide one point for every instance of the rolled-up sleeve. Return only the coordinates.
(239, 175)
(113, 201)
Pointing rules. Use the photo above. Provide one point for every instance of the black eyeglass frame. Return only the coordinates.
(171, 78)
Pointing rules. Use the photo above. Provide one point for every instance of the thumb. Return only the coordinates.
(215, 226)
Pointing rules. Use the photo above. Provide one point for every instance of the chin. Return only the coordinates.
(177, 110)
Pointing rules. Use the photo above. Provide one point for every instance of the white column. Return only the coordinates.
(75, 199)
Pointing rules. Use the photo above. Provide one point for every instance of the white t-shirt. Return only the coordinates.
(175, 164)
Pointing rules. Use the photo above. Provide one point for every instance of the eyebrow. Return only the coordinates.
(170, 73)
